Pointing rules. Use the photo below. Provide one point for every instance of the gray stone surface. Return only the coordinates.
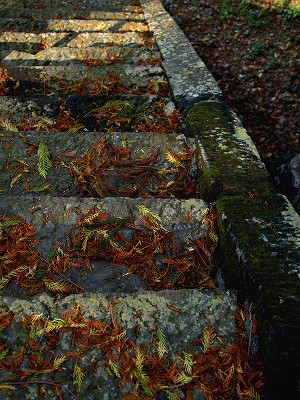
(228, 159)
(72, 25)
(189, 78)
(74, 40)
(74, 56)
(64, 212)
(131, 76)
(197, 310)
(60, 182)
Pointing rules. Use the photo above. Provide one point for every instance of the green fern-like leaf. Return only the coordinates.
(86, 236)
(60, 287)
(9, 223)
(56, 325)
(148, 213)
(4, 353)
(78, 376)
(161, 344)
(172, 396)
(44, 161)
(114, 369)
(58, 361)
(183, 379)
(4, 388)
(188, 362)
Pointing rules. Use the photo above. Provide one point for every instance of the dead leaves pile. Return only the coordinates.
(152, 252)
(217, 370)
(106, 170)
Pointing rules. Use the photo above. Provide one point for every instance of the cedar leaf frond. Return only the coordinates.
(183, 379)
(86, 236)
(172, 396)
(173, 159)
(148, 213)
(58, 361)
(188, 362)
(4, 353)
(56, 325)
(44, 161)
(78, 376)
(161, 344)
(7, 125)
(59, 287)
(114, 368)
(4, 388)
(208, 338)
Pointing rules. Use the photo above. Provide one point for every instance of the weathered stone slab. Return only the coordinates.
(96, 12)
(73, 56)
(149, 310)
(191, 81)
(89, 112)
(9, 40)
(228, 158)
(57, 79)
(72, 25)
(28, 42)
(180, 216)
(183, 218)
(260, 239)
(14, 149)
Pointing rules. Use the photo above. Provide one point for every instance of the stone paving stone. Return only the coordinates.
(191, 81)
(131, 110)
(28, 8)
(71, 56)
(182, 217)
(9, 40)
(133, 14)
(14, 150)
(131, 76)
(53, 25)
(180, 329)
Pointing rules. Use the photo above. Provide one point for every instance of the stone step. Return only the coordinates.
(60, 80)
(102, 55)
(133, 165)
(101, 245)
(72, 25)
(74, 5)
(33, 43)
(103, 13)
(90, 112)
(181, 316)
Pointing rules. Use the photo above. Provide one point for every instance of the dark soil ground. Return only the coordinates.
(252, 49)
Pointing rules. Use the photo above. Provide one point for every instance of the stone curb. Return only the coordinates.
(188, 76)
(259, 229)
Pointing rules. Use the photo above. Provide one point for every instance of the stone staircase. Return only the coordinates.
(99, 163)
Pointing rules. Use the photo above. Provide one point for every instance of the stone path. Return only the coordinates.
(97, 156)
(88, 86)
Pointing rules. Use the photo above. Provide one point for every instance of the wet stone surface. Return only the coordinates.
(20, 173)
(101, 113)
(197, 308)
(180, 217)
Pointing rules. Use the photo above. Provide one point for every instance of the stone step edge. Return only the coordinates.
(180, 316)
(236, 179)
(189, 78)
(259, 237)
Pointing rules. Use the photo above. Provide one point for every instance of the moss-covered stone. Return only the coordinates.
(229, 161)
(260, 240)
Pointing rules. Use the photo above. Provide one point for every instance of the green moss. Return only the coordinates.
(261, 253)
(226, 154)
